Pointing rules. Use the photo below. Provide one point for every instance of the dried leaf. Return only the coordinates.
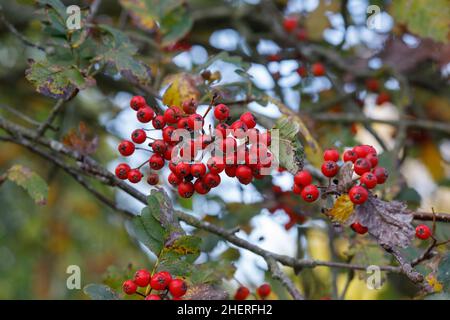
(182, 87)
(388, 222)
(345, 177)
(81, 140)
(205, 292)
(342, 209)
(35, 186)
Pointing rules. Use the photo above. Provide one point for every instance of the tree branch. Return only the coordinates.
(278, 274)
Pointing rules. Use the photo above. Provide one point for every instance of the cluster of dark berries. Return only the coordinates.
(262, 292)
(160, 286)
(197, 158)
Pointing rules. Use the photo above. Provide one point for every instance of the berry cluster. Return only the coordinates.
(196, 158)
(374, 86)
(262, 292)
(167, 287)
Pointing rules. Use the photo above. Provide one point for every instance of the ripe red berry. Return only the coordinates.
(160, 281)
(358, 194)
(183, 169)
(159, 146)
(145, 114)
(172, 115)
(138, 136)
(168, 152)
(297, 189)
(330, 169)
(189, 106)
(134, 176)
(373, 159)
(381, 174)
(331, 155)
(382, 98)
(369, 180)
(290, 23)
(303, 178)
(221, 112)
(167, 134)
(122, 171)
(302, 71)
(211, 179)
(216, 164)
(152, 297)
(201, 187)
(129, 287)
(244, 174)
(263, 290)
(359, 228)
(183, 124)
(423, 232)
(126, 148)
(350, 155)
(249, 119)
(239, 128)
(198, 170)
(177, 288)
(361, 151)
(241, 293)
(227, 145)
(361, 166)
(221, 130)
(301, 34)
(137, 102)
(266, 138)
(372, 84)
(186, 189)
(142, 278)
(173, 179)
(318, 69)
(310, 193)
(230, 170)
(195, 121)
(156, 161)
(153, 179)
(158, 122)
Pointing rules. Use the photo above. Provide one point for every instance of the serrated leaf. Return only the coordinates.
(389, 222)
(182, 87)
(56, 81)
(149, 231)
(100, 292)
(342, 209)
(140, 13)
(212, 272)
(35, 186)
(205, 292)
(179, 257)
(422, 18)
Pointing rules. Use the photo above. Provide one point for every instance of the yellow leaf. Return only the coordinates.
(141, 15)
(342, 209)
(434, 283)
(317, 21)
(182, 87)
(432, 159)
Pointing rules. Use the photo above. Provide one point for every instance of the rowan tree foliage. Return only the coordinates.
(349, 103)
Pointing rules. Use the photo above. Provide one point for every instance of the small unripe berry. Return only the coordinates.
(331, 155)
(137, 102)
(129, 287)
(138, 136)
(330, 169)
(303, 178)
(134, 176)
(359, 228)
(142, 278)
(423, 232)
(241, 293)
(122, 171)
(263, 290)
(177, 288)
(126, 148)
(310, 193)
(358, 194)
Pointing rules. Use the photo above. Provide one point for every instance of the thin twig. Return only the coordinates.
(23, 116)
(53, 114)
(278, 274)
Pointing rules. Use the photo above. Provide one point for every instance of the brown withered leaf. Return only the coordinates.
(389, 222)
(205, 292)
(345, 177)
(81, 140)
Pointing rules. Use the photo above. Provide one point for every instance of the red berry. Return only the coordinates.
(145, 114)
(244, 174)
(129, 287)
(362, 165)
(212, 180)
(172, 115)
(381, 174)
(302, 34)
(158, 122)
(249, 119)
(177, 288)
(263, 290)
(186, 189)
(168, 152)
(350, 155)
(156, 161)
(200, 187)
(153, 297)
(153, 179)
(173, 179)
(159, 146)
(310, 193)
(138, 136)
(230, 171)
(167, 134)
(221, 130)
(137, 102)
(372, 84)
(134, 176)
(142, 278)
(221, 112)
(290, 23)
(160, 281)
(297, 189)
(266, 138)
(318, 69)
(358, 194)
(183, 124)
(302, 71)
(122, 171)
(423, 232)
(359, 228)
(361, 151)
(369, 180)
(373, 159)
(303, 178)
(239, 128)
(198, 170)
(382, 98)
(195, 122)
(331, 155)
(126, 148)
(183, 169)
(227, 145)
(241, 293)
(330, 169)
(216, 164)
(189, 107)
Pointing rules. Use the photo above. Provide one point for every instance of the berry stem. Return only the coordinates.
(142, 164)
(213, 99)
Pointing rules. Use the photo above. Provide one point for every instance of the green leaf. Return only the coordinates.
(443, 274)
(100, 292)
(225, 57)
(35, 186)
(291, 153)
(56, 81)
(212, 272)
(423, 18)
(178, 257)
(149, 231)
(175, 25)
